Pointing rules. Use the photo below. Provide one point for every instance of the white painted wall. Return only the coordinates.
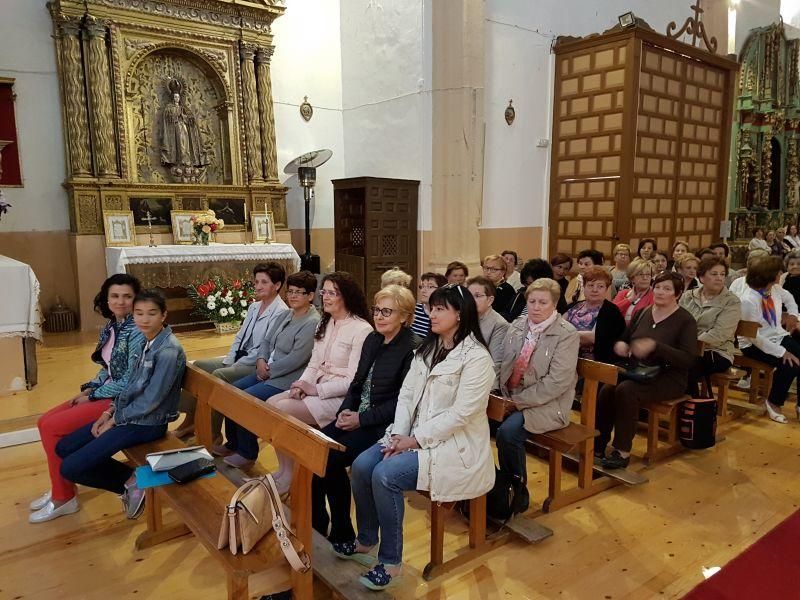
(26, 54)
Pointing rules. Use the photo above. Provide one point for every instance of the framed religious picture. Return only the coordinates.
(182, 232)
(231, 210)
(119, 228)
(152, 210)
(263, 224)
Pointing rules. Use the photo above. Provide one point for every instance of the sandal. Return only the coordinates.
(775, 413)
(347, 551)
(378, 579)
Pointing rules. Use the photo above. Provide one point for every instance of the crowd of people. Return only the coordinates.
(403, 384)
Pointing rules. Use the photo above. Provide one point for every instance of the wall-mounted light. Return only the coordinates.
(627, 19)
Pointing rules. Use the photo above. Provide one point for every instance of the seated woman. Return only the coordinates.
(439, 441)
(686, 266)
(598, 321)
(317, 395)
(775, 246)
(428, 282)
(282, 357)
(758, 242)
(494, 269)
(647, 247)
(241, 359)
(538, 374)
(640, 295)
(619, 272)
(586, 259)
(493, 326)
(456, 272)
(717, 312)
(663, 335)
(791, 280)
(120, 344)
(660, 262)
(396, 276)
(367, 409)
(139, 414)
(512, 275)
(792, 239)
(679, 248)
(535, 268)
(562, 265)
(773, 344)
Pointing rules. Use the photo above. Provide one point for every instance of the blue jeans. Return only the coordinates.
(510, 438)
(87, 459)
(239, 439)
(378, 487)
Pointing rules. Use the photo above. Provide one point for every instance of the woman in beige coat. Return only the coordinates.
(538, 374)
(439, 441)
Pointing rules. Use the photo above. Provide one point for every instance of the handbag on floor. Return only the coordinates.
(254, 509)
(697, 421)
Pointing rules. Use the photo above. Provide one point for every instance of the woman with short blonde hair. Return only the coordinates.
(686, 266)
(546, 284)
(619, 270)
(401, 296)
(640, 295)
(395, 276)
(494, 269)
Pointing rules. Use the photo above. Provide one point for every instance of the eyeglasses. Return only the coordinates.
(330, 293)
(384, 312)
(494, 269)
(478, 295)
(297, 292)
(428, 286)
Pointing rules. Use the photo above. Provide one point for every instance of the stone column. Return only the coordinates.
(457, 137)
(102, 114)
(77, 125)
(266, 114)
(252, 128)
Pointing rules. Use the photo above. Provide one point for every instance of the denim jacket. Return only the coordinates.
(154, 387)
(128, 344)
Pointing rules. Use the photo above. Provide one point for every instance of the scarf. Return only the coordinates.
(535, 331)
(768, 312)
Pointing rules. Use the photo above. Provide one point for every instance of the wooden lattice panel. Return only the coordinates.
(587, 161)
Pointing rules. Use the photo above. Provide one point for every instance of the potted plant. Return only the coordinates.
(223, 302)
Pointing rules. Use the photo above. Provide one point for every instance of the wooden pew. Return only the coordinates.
(760, 373)
(200, 505)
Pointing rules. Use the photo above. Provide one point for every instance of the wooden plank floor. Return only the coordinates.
(699, 509)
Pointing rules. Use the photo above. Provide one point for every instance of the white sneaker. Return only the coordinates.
(49, 511)
(41, 500)
(744, 383)
(775, 413)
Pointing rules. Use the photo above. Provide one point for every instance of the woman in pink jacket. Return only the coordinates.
(318, 394)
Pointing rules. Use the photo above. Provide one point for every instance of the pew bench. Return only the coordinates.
(201, 504)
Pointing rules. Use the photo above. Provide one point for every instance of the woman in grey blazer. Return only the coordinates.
(282, 358)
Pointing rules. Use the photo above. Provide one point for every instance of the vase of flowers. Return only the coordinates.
(204, 226)
(222, 301)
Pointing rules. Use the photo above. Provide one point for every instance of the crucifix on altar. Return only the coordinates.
(149, 219)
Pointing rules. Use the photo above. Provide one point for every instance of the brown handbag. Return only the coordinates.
(255, 508)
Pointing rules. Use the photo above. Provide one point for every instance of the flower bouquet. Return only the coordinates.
(205, 224)
(222, 301)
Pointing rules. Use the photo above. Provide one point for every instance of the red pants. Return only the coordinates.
(55, 424)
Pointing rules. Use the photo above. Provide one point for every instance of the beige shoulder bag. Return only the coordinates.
(247, 520)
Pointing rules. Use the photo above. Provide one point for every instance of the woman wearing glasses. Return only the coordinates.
(439, 441)
(428, 282)
(494, 269)
(317, 395)
(367, 409)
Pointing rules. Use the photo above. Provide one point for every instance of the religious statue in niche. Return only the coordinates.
(181, 147)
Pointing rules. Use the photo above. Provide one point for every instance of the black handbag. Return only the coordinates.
(640, 373)
(508, 497)
(697, 421)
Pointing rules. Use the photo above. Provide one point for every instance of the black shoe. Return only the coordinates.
(287, 595)
(615, 460)
(599, 457)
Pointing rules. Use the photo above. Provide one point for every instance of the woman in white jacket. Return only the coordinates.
(439, 441)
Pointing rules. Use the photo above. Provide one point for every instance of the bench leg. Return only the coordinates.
(554, 480)
(238, 588)
(156, 533)
(652, 437)
(477, 522)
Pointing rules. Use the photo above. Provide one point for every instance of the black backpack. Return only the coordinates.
(508, 497)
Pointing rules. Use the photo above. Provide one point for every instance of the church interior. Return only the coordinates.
(183, 142)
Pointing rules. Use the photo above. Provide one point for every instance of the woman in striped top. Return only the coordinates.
(428, 282)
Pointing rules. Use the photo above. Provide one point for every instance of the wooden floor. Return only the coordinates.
(699, 510)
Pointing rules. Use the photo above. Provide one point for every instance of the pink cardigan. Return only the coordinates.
(333, 365)
(623, 303)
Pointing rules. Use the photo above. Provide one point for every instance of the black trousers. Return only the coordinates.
(335, 485)
(708, 364)
(784, 374)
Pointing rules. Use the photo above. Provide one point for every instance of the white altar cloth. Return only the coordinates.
(19, 299)
(118, 258)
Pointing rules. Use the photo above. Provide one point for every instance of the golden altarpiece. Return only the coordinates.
(167, 103)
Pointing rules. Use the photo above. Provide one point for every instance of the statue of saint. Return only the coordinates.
(180, 137)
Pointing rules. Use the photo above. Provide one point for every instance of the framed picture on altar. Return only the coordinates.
(182, 232)
(152, 210)
(263, 225)
(119, 228)
(232, 211)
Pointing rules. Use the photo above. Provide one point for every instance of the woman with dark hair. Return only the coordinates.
(456, 272)
(663, 335)
(512, 260)
(646, 248)
(116, 352)
(660, 262)
(493, 326)
(534, 269)
(538, 374)
(317, 395)
(367, 409)
(139, 414)
(562, 265)
(717, 311)
(792, 239)
(597, 320)
(439, 441)
(427, 283)
(758, 242)
(586, 258)
(282, 357)
(773, 344)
